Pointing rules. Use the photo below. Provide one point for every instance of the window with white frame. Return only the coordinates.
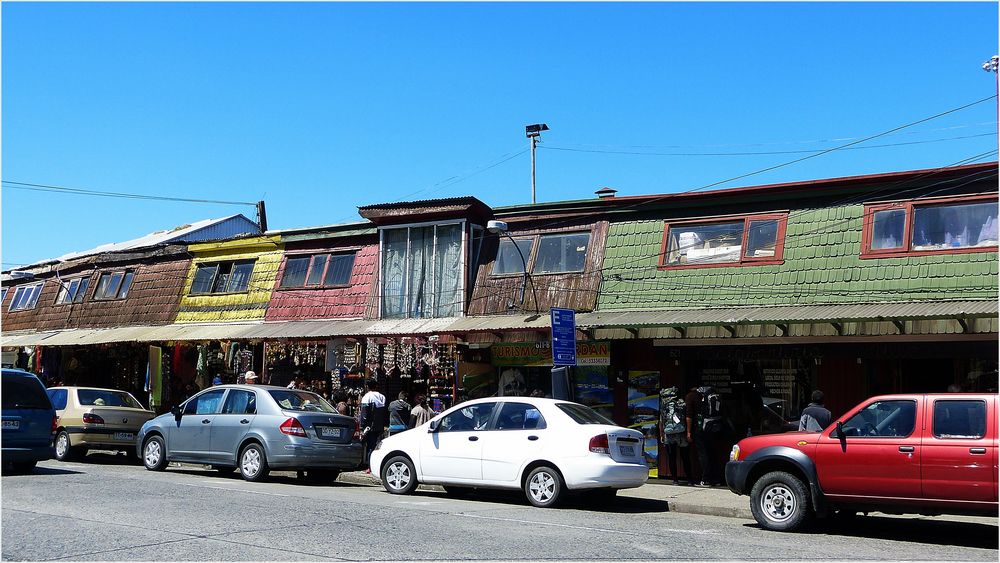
(113, 285)
(25, 297)
(222, 277)
(422, 270)
(73, 291)
(318, 270)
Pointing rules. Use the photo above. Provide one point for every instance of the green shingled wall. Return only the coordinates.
(821, 265)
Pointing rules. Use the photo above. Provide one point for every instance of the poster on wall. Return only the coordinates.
(592, 389)
(644, 411)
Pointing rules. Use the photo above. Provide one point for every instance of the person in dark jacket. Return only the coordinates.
(815, 417)
(373, 417)
(399, 414)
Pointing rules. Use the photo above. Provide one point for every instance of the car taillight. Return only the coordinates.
(92, 419)
(55, 424)
(599, 444)
(292, 427)
(357, 429)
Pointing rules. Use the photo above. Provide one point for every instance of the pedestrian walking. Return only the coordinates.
(815, 417)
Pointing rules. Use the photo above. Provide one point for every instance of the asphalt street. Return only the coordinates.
(104, 509)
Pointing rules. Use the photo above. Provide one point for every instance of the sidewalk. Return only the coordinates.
(717, 501)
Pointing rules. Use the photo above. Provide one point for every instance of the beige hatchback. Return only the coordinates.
(93, 418)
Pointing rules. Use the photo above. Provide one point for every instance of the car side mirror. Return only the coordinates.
(841, 436)
(433, 427)
(176, 411)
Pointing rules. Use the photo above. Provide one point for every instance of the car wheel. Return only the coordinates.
(780, 501)
(543, 487)
(253, 463)
(224, 469)
(154, 454)
(398, 476)
(64, 449)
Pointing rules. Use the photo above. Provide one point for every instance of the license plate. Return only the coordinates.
(329, 432)
(627, 450)
(123, 436)
(11, 424)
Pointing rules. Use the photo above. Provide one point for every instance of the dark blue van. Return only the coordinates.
(28, 421)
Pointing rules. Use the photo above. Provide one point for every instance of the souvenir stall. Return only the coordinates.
(414, 365)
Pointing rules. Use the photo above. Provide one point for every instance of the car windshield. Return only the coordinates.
(582, 414)
(24, 393)
(106, 398)
(292, 400)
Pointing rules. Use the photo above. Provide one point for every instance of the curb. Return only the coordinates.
(364, 479)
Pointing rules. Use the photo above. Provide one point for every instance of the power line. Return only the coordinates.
(760, 153)
(124, 195)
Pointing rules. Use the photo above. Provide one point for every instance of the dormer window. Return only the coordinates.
(733, 241)
(222, 277)
(423, 271)
(318, 270)
(73, 291)
(113, 285)
(25, 297)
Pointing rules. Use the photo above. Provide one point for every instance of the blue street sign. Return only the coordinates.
(563, 337)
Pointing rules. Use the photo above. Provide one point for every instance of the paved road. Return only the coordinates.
(104, 509)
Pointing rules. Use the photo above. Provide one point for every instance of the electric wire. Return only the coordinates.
(10, 184)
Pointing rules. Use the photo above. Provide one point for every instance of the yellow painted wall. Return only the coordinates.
(250, 305)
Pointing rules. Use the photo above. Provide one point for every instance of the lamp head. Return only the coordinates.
(496, 227)
(535, 130)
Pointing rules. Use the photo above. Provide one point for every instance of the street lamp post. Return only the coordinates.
(533, 132)
(500, 228)
(990, 66)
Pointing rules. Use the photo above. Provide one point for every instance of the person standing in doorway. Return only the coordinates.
(703, 441)
(815, 417)
(373, 418)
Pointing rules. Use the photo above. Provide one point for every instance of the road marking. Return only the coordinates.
(535, 523)
(419, 503)
(233, 490)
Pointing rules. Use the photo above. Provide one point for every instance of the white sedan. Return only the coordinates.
(543, 446)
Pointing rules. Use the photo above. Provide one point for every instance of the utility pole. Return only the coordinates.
(989, 66)
(533, 132)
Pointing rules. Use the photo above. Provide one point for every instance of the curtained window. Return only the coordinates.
(422, 271)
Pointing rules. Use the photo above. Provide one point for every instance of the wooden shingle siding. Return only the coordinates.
(822, 264)
(152, 299)
(328, 303)
(495, 295)
(244, 306)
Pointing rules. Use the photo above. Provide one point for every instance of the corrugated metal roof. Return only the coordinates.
(792, 314)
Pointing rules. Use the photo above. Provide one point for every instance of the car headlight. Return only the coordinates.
(734, 454)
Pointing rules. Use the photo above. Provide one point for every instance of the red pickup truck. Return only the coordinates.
(924, 454)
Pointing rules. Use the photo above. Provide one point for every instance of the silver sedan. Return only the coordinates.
(254, 428)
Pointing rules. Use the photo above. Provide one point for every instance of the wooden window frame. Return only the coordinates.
(536, 244)
(528, 260)
(779, 241)
(868, 226)
(80, 292)
(118, 290)
(219, 264)
(311, 255)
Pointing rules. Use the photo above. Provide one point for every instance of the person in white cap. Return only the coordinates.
(251, 378)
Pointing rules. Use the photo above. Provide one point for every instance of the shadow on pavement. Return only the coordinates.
(929, 531)
(620, 505)
(284, 477)
(41, 470)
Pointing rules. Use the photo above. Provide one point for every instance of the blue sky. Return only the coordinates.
(321, 107)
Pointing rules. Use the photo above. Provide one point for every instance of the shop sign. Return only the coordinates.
(563, 336)
(588, 353)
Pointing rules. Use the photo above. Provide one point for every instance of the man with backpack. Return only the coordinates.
(373, 417)
(704, 424)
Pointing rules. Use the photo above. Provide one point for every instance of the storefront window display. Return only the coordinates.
(644, 412)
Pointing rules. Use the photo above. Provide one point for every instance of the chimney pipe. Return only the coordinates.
(606, 192)
(261, 216)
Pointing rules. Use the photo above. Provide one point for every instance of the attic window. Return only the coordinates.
(320, 270)
(114, 285)
(936, 226)
(561, 253)
(73, 291)
(734, 241)
(222, 277)
(25, 297)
